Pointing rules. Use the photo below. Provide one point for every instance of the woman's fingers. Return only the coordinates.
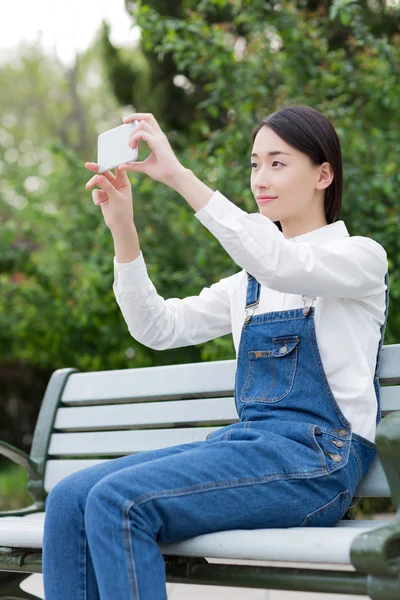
(147, 117)
(123, 179)
(146, 136)
(91, 166)
(143, 126)
(93, 181)
(107, 187)
(94, 167)
(134, 166)
(99, 197)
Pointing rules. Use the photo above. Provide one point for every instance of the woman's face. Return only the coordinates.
(286, 185)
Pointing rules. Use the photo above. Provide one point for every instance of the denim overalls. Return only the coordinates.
(282, 390)
(291, 460)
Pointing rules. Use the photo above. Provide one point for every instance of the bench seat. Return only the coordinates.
(297, 544)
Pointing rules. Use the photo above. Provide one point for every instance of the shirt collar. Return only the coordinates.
(324, 234)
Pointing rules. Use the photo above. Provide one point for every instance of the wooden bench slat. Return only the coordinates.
(374, 484)
(295, 544)
(192, 380)
(115, 443)
(218, 411)
(195, 380)
(390, 398)
(58, 469)
(390, 365)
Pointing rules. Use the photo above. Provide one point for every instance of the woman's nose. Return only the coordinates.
(261, 180)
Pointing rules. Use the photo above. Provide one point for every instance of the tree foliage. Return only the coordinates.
(209, 70)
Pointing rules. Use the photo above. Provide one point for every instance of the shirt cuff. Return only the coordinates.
(131, 276)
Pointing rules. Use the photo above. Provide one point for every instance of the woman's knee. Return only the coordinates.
(109, 509)
(104, 495)
(66, 497)
(102, 507)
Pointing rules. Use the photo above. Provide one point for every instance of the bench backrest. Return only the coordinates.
(91, 417)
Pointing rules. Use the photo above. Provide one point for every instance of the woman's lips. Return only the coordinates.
(265, 199)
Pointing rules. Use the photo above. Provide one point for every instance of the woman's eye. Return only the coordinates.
(254, 165)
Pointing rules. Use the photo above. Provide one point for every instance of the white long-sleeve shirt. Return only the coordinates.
(345, 274)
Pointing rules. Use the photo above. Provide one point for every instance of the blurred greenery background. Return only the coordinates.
(208, 70)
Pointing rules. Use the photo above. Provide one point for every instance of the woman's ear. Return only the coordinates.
(325, 177)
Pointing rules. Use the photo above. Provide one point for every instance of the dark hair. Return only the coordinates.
(307, 130)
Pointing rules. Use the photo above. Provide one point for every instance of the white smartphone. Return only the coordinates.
(113, 147)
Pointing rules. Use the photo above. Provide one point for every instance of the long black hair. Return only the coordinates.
(307, 130)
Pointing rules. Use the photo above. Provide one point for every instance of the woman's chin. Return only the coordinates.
(266, 211)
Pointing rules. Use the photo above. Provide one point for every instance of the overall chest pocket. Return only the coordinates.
(271, 372)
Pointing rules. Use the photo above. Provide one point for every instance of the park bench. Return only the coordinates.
(86, 418)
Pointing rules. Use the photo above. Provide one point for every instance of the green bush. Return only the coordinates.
(13, 490)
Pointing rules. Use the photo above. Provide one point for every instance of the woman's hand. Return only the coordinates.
(162, 164)
(114, 197)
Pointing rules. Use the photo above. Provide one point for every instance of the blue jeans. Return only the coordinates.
(103, 524)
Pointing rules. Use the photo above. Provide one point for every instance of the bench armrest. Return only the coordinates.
(20, 458)
(388, 446)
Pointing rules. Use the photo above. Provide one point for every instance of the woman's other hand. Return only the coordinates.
(114, 197)
(162, 164)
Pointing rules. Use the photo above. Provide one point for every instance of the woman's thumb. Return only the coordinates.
(138, 167)
(107, 187)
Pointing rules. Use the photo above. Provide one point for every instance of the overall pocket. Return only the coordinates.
(271, 371)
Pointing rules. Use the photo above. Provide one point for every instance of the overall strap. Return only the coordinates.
(252, 296)
(379, 356)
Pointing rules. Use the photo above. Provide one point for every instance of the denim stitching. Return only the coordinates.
(274, 399)
(294, 360)
(225, 485)
(84, 567)
(248, 378)
(250, 373)
(317, 447)
(326, 507)
(281, 315)
(129, 550)
(358, 461)
(273, 371)
(256, 320)
(364, 441)
(286, 340)
(345, 450)
(240, 357)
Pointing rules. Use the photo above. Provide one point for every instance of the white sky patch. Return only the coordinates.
(63, 28)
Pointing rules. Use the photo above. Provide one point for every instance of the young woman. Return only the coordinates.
(307, 312)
